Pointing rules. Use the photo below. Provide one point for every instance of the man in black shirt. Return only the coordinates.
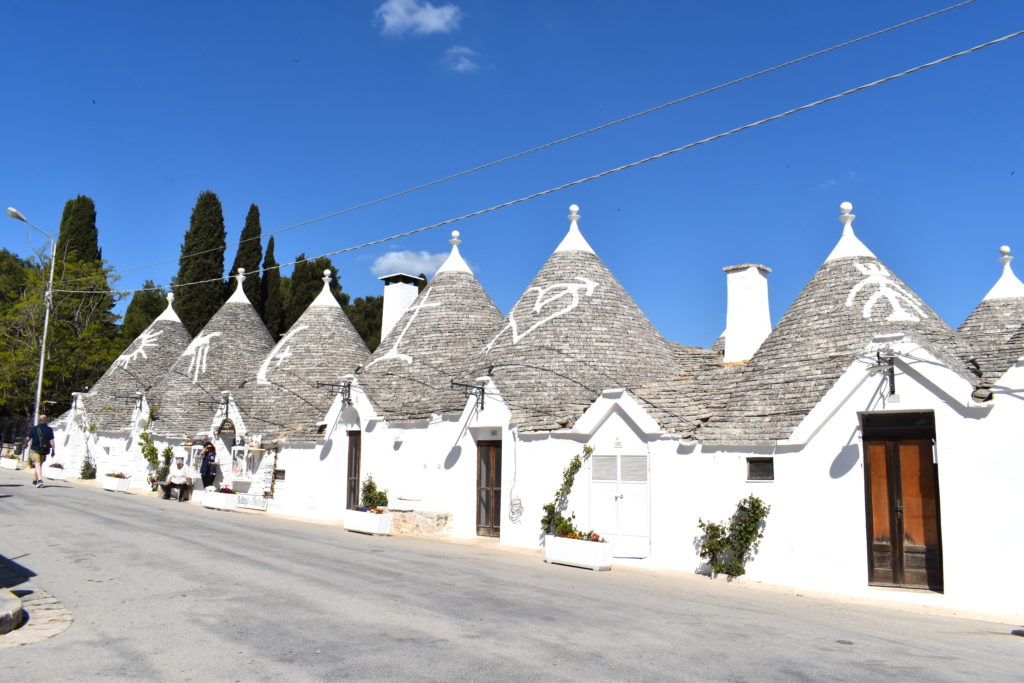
(41, 444)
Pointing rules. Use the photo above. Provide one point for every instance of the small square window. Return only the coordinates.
(278, 475)
(760, 469)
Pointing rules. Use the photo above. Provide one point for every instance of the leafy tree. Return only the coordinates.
(82, 340)
(271, 306)
(249, 254)
(367, 314)
(142, 310)
(78, 237)
(202, 258)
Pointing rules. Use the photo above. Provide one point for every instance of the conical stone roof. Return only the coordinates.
(574, 332)
(220, 358)
(108, 404)
(851, 299)
(321, 348)
(436, 340)
(990, 326)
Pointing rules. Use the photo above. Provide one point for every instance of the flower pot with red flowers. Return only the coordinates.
(116, 481)
(563, 542)
(225, 499)
(372, 517)
(8, 461)
(55, 471)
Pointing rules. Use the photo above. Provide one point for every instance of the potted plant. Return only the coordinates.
(224, 499)
(372, 517)
(8, 461)
(563, 542)
(116, 481)
(55, 471)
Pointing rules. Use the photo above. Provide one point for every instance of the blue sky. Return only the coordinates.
(307, 108)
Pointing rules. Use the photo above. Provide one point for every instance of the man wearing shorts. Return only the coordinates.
(40, 444)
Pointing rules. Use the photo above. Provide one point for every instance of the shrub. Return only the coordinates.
(88, 470)
(728, 548)
(372, 498)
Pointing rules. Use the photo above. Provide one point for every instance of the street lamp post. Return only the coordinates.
(17, 215)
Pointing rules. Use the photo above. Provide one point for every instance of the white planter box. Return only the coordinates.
(215, 500)
(55, 473)
(8, 463)
(368, 522)
(576, 553)
(115, 484)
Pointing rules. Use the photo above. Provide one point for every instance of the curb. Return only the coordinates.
(11, 613)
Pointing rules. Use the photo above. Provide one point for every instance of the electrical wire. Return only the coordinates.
(559, 141)
(602, 174)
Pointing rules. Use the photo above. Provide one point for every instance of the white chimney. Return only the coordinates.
(400, 291)
(747, 320)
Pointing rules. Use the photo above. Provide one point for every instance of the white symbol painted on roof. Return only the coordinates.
(875, 274)
(146, 340)
(545, 296)
(281, 353)
(393, 351)
(199, 349)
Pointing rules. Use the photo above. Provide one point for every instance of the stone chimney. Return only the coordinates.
(400, 291)
(747, 320)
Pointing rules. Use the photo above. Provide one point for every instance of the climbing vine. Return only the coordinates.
(149, 449)
(554, 522)
(728, 548)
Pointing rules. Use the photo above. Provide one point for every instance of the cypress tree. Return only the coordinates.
(202, 258)
(249, 254)
(143, 309)
(271, 302)
(78, 237)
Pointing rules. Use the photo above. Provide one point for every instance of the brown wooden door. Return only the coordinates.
(354, 456)
(488, 488)
(904, 544)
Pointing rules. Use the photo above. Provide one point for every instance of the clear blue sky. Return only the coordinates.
(306, 108)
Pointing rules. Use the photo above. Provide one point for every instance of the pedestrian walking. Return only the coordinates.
(208, 470)
(40, 444)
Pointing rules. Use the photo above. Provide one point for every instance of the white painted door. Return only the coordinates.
(620, 503)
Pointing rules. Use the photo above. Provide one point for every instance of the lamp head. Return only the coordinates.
(15, 214)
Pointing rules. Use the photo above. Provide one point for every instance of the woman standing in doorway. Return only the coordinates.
(208, 470)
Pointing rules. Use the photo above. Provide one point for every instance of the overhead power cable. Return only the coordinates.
(602, 174)
(559, 141)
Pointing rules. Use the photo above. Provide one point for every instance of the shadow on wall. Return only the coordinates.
(326, 450)
(845, 460)
(453, 457)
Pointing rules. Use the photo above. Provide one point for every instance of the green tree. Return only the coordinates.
(367, 314)
(142, 310)
(271, 306)
(249, 254)
(82, 340)
(202, 258)
(78, 237)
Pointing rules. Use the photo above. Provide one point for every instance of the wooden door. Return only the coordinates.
(488, 488)
(354, 456)
(904, 542)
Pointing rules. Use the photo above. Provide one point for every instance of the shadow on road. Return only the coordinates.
(13, 574)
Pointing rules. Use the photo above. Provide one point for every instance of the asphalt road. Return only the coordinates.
(166, 591)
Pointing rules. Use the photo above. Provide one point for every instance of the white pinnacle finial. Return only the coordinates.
(168, 313)
(848, 245)
(573, 240)
(241, 276)
(1005, 258)
(327, 276)
(238, 296)
(1008, 286)
(170, 298)
(455, 241)
(454, 263)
